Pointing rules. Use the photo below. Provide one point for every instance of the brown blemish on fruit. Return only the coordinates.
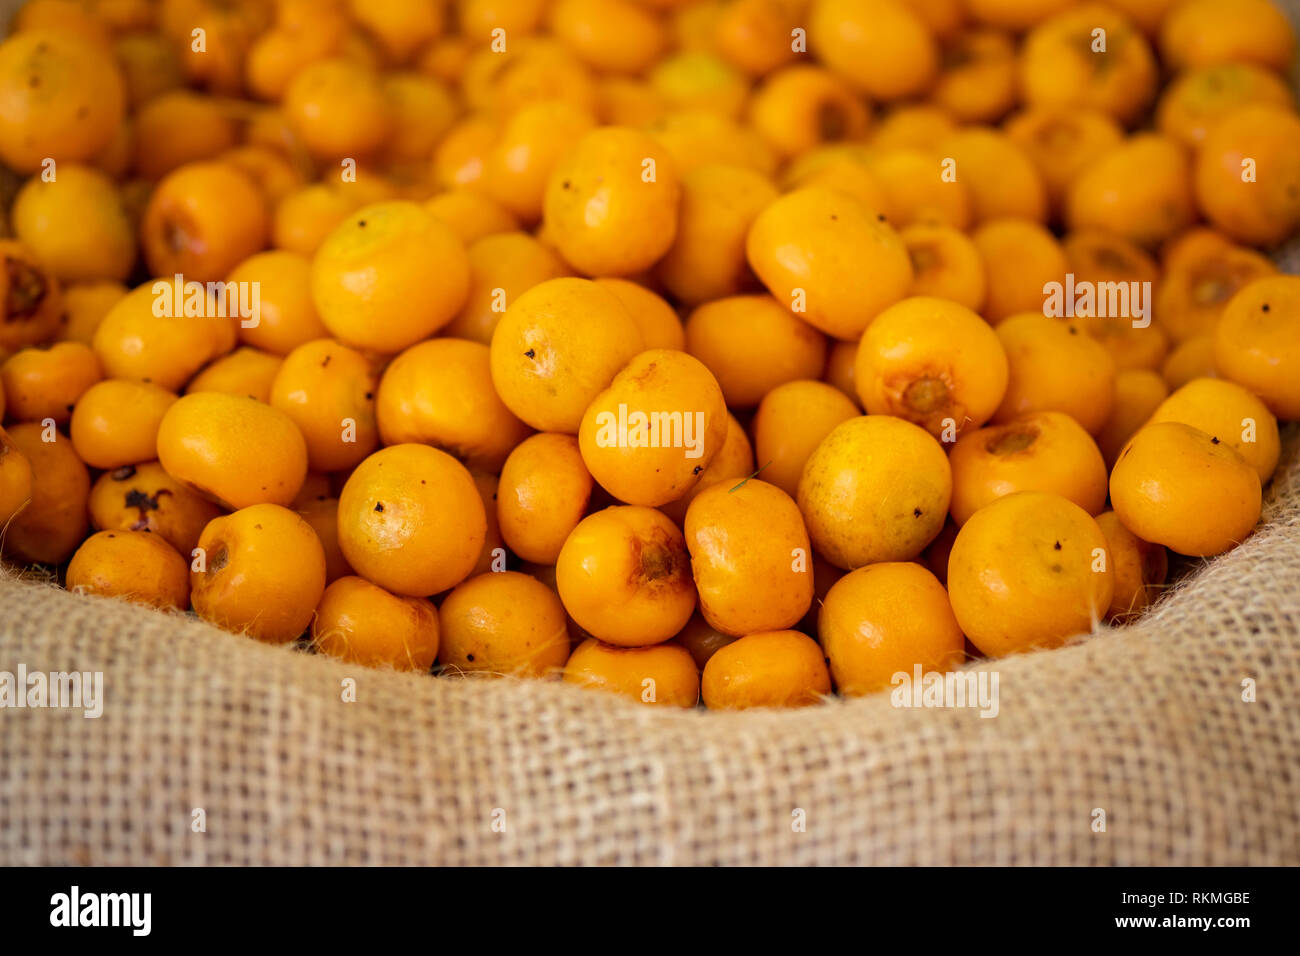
(926, 395)
(26, 290)
(220, 558)
(831, 122)
(1011, 441)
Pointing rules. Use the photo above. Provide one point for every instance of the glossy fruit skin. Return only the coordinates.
(557, 347)
(884, 619)
(1138, 392)
(1140, 189)
(1229, 412)
(517, 168)
(30, 302)
(1020, 257)
(16, 479)
(440, 393)
(1060, 65)
(750, 556)
(1029, 571)
(84, 305)
(1004, 182)
(1198, 99)
(233, 449)
(881, 46)
(791, 422)
(1262, 212)
(202, 220)
(179, 127)
(1204, 32)
(1061, 141)
(361, 623)
(411, 520)
(503, 266)
(656, 460)
(1055, 366)
(61, 96)
(115, 422)
(752, 344)
(766, 669)
(135, 565)
(1203, 270)
(262, 574)
(49, 528)
(1188, 490)
(657, 321)
(1257, 343)
(849, 264)
(663, 674)
(733, 463)
(543, 494)
(931, 362)
(624, 576)
(371, 279)
(135, 342)
(876, 489)
(47, 383)
(325, 387)
(76, 225)
(245, 372)
(143, 497)
(946, 264)
(707, 258)
(1041, 451)
(607, 216)
(470, 215)
(287, 317)
(338, 109)
(800, 107)
(1139, 566)
(503, 623)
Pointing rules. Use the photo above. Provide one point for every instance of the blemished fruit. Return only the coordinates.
(696, 351)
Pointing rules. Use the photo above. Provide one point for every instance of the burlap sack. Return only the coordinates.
(1146, 723)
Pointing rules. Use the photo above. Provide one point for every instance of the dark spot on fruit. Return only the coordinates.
(565, 185)
(112, 536)
(469, 657)
(69, 406)
(531, 353)
(1264, 306)
(1073, 330)
(257, 527)
(123, 473)
(220, 558)
(696, 470)
(369, 395)
(1057, 546)
(880, 216)
(326, 362)
(834, 218)
(379, 506)
(27, 290)
(916, 512)
(1214, 441)
(361, 223)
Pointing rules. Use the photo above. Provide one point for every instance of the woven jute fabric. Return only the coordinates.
(1146, 723)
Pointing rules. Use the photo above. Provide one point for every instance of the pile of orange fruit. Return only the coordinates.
(734, 350)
